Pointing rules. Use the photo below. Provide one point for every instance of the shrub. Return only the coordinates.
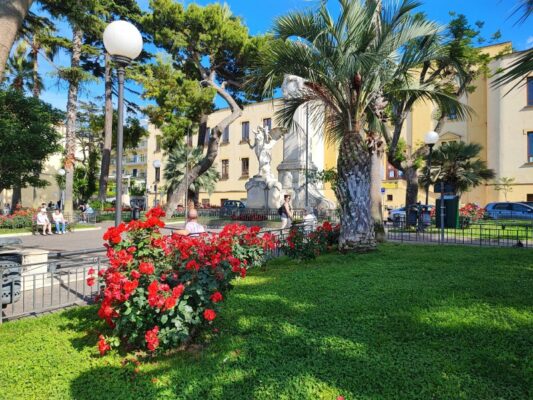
(303, 245)
(21, 218)
(472, 211)
(249, 217)
(160, 291)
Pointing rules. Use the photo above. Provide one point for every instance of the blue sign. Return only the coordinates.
(382, 190)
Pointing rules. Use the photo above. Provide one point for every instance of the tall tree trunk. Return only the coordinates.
(36, 90)
(202, 131)
(108, 130)
(16, 197)
(353, 194)
(375, 189)
(70, 135)
(12, 13)
(212, 149)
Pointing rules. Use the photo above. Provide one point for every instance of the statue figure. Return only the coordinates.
(293, 86)
(264, 143)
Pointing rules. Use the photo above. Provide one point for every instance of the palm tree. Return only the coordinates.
(181, 159)
(342, 62)
(20, 69)
(457, 164)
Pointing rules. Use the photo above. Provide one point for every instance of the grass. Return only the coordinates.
(405, 322)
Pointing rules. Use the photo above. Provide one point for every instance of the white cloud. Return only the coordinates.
(529, 42)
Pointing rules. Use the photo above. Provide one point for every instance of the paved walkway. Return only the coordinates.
(75, 241)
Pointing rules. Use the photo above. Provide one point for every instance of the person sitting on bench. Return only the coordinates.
(60, 222)
(192, 226)
(44, 222)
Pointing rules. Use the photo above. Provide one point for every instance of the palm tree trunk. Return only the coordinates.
(108, 130)
(376, 195)
(70, 135)
(411, 177)
(353, 194)
(12, 13)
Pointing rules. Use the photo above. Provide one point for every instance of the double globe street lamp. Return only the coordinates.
(124, 43)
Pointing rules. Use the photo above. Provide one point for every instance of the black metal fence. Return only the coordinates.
(485, 233)
(59, 282)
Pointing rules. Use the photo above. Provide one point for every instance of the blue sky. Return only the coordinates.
(259, 14)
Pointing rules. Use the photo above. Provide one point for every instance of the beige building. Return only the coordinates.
(502, 123)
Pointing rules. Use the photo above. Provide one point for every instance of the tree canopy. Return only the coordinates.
(29, 136)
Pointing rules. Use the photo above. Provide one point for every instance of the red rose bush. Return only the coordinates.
(303, 245)
(162, 290)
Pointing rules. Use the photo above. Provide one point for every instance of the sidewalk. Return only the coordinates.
(78, 240)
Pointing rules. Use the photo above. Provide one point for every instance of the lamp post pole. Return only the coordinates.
(124, 43)
(430, 140)
(429, 171)
(120, 141)
(306, 155)
(62, 172)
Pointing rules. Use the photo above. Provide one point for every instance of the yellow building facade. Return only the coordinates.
(502, 122)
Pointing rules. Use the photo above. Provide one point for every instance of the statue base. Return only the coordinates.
(263, 192)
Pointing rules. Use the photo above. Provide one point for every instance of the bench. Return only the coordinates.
(35, 228)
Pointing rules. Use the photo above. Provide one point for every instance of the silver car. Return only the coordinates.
(507, 210)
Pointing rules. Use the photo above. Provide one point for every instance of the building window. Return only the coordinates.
(530, 147)
(452, 114)
(267, 123)
(393, 173)
(225, 135)
(245, 165)
(225, 169)
(222, 201)
(158, 143)
(134, 172)
(530, 91)
(529, 197)
(389, 197)
(245, 131)
(157, 174)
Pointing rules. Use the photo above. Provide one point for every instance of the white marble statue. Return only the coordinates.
(265, 141)
(293, 86)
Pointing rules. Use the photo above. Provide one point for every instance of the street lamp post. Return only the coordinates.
(124, 43)
(157, 166)
(430, 139)
(306, 155)
(62, 172)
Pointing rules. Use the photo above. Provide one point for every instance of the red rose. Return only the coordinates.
(216, 297)
(209, 314)
(146, 268)
(135, 274)
(130, 286)
(178, 291)
(152, 341)
(103, 346)
(91, 271)
(90, 281)
(192, 265)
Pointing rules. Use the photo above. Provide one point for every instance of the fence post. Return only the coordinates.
(2, 283)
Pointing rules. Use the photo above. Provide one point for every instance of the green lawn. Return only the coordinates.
(405, 322)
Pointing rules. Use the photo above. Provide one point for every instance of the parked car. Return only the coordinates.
(508, 210)
(399, 213)
(231, 207)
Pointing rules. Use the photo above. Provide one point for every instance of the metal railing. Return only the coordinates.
(477, 234)
(46, 286)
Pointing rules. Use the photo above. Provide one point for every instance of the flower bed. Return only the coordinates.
(160, 291)
(19, 219)
(249, 217)
(303, 245)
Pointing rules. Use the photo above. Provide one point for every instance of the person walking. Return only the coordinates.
(60, 222)
(286, 212)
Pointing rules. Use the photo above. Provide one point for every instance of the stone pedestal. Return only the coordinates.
(263, 192)
(34, 263)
